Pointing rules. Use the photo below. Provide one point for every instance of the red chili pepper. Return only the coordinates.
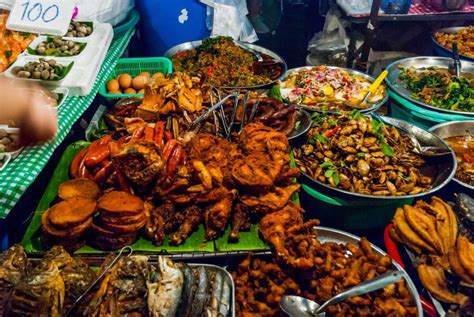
(331, 132)
(76, 161)
(209, 70)
(168, 149)
(467, 158)
(97, 155)
(181, 54)
(159, 133)
(174, 160)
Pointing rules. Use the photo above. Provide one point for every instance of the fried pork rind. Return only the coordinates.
(457, 268)
(260, 284)
(424, 226)
(465, 251)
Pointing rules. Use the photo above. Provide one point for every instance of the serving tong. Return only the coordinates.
(99, 278)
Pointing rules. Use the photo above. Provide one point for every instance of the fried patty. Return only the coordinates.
(79, 187)
(57, 233)
(71, 212)
(116, 203)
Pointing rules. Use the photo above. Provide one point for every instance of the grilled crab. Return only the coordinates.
(135, 160)
(123, 292)
(13, 267)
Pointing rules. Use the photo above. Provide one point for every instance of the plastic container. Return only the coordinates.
(395, 6)
(133, 67)
(165, 23)
(359, 214)
(401, 108)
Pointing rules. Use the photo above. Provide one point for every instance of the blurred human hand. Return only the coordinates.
(25, 105)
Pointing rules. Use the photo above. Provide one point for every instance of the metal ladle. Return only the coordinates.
(296, 306)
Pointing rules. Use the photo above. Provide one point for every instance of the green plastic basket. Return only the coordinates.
(135, 66)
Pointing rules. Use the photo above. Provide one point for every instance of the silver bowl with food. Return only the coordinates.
(330, 89)
(356, 156)
(430, 83)
(225, 63)
(460, 137)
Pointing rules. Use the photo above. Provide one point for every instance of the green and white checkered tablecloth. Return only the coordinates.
(22, 171)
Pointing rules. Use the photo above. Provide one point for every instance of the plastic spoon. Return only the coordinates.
(374, 87)
(303, 307)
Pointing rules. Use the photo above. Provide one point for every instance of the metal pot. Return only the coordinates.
(447, 5)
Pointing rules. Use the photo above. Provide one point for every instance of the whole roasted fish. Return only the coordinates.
(164, 289)
(13, 267)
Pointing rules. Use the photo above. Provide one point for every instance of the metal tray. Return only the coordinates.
(191, 45)
(394, 83)
(442, 170)
(451, 30)
(351, 71)
(325, 234)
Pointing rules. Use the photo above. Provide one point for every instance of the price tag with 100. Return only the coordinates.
(41, 16)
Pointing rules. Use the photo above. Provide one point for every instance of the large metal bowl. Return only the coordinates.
(441, 169)
(262, 50)
(441, 50)
(373, 107)
(396, 86)
(455, 128)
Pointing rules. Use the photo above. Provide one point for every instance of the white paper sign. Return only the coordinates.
(41, 16)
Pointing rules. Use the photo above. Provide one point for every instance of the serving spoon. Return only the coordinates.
(427, 151)
(296, 306)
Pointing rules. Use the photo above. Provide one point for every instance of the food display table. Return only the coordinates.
(21, 172)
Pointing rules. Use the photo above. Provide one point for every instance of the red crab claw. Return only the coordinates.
(159, 134)
(76, 161)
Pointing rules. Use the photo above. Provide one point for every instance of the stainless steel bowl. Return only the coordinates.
(443, 51)
(351, 71)
(396, 86)
(442, 170)
(262, 50)
(455, 128)
(305, 123)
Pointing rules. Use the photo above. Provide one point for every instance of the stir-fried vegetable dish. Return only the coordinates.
(329, 89)
(439, 88)
(223, 63)
(463, 147)
(359, 154)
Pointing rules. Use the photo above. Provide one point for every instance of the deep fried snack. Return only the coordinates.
(116, 203)
(465, 251)
(424, 225)
(433, 280)
(407, 234)
(71, 212)
(57, 233)
(457, 268)
(273, 200)
(78, 187)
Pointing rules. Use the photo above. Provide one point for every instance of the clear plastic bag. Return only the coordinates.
(229, 18)
(105, 11)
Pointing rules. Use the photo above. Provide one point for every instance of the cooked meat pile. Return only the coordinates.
(362, 155)
(261, 283)
(431, 231)
(224, 182)
(133, 286)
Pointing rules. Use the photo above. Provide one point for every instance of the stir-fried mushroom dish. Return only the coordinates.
(362, 155)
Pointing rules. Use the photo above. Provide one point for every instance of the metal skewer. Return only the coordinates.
(78, 300)
(254, 110)
(211, 109)
(244, 110)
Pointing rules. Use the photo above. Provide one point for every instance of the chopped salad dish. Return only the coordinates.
(439, 88)
(329, 89)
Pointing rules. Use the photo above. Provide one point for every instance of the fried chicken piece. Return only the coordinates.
(159, 222)
(257, 170)
(256, 137)
(191, 217)
(435, 282)
(217, 216)
(273, 200)
(424, 226)
(240, 221)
